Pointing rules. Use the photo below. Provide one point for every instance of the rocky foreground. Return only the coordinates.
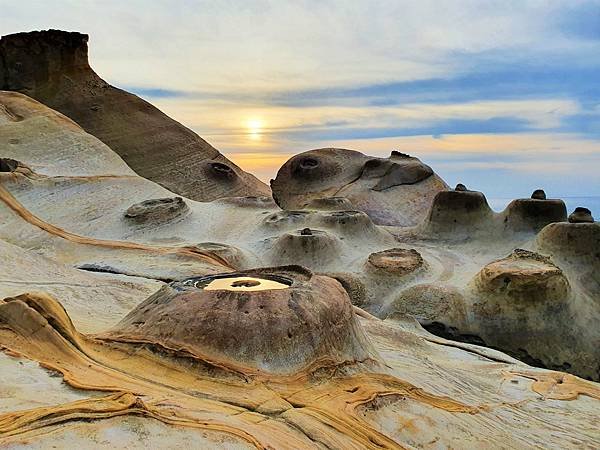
(358, 303)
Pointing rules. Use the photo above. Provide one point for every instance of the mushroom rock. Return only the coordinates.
(279, 321)
(157, 211)
(524, 304)
(539, 194)
(310, 247)
(460, 187)
(457, 213)
(576, 246)
(571, 241)
(396, 261)
(392, 191)
(532, 214)
(581, 215)
(52, 67)
(521, 280)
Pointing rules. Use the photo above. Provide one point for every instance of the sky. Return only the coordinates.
(503, 96)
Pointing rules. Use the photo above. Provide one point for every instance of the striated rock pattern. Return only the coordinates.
(52, 67)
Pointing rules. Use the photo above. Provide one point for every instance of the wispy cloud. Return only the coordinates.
(484, 90)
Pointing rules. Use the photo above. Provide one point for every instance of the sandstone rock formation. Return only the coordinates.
(248, 321)
(179, 330)
(581, 215)
(52, 67)
(393, 191)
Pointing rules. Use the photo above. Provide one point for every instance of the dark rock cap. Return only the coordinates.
(581, 215)
(539, 194)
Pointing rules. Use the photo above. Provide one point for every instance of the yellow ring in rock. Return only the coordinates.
(243, 284)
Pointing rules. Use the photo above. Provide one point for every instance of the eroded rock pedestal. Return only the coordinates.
(280, 321)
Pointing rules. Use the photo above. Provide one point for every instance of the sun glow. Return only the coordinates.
(254, 127)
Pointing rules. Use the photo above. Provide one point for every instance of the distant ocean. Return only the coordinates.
(591, 203)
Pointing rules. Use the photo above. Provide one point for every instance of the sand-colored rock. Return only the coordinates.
(52, 67)
(393, 191)
(349, 380)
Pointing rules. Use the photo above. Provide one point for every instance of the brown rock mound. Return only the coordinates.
(581, 215)
(458, 212)
(280, 321)
(571, 241)
(52, 67)
(523, 278)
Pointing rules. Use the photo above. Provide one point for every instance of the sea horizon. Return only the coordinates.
(592, 203)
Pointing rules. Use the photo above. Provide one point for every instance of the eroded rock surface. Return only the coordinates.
(581, 215)
(157, 211)
(250, 320)
(52, 67)
(186, 335)
(393, 191)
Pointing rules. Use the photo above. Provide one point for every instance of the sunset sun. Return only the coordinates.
(254, 128)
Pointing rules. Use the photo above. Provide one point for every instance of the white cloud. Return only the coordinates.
(264, 45)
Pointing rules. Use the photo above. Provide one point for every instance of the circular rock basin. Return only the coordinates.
(398, 261)
(240, 283)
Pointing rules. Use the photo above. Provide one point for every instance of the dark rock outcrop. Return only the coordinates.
(581, 215)
(531, 214)
(458, 212)
(52, 67)
(539, 194)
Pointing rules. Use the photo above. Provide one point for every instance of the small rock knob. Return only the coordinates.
(581, 215)
(539, 194)
(306, 232)
(460, 187)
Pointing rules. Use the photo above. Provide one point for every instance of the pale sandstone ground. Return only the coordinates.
(81, 187)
